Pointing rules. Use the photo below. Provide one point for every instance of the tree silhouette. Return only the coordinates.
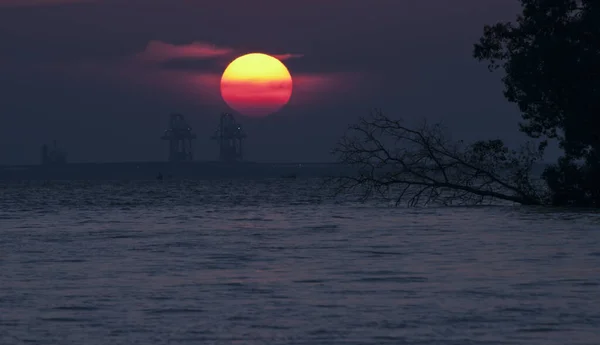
(425, 166)
(551, 59)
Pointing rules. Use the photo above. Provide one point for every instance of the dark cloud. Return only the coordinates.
(162, 51)
(190, 64)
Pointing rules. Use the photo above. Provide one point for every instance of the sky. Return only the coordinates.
(102, 76)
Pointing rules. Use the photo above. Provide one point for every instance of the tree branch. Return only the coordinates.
(427, 167)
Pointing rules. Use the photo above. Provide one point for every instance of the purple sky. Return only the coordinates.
(102, 76)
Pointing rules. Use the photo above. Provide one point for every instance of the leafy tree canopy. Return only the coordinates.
(551, 59)
(551, 56)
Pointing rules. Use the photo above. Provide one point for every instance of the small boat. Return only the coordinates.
(293, 175)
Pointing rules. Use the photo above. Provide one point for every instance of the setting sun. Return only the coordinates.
(256, 85)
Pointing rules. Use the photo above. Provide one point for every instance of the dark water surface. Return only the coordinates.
(276, 262)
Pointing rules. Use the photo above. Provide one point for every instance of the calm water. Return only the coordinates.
(276, 262)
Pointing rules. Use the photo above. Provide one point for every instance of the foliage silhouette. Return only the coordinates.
(551, 59)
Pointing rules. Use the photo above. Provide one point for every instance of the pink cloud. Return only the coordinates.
(157, 51)
(202, 87)
(24, 3)
(283, 57)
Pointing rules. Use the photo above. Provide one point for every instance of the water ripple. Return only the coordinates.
(280, 262)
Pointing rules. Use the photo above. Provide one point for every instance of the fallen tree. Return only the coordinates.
(423, 165)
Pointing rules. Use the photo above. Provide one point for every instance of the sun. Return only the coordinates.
(256, 85)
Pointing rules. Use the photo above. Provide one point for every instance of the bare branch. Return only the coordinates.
(424, 166)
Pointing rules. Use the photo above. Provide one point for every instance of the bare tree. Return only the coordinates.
(424, 165)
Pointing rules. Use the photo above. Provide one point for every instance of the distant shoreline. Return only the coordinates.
(180, 170)
(150, 170)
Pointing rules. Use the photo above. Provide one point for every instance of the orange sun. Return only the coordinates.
(256, 85)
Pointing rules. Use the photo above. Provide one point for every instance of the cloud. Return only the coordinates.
(283, 57)
(157, 51)
(191, 73)
(193, 56)
(25, 3)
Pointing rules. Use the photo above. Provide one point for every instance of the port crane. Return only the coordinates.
(180, 136)
(230, 136)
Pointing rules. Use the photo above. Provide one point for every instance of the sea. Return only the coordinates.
(283, 261)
